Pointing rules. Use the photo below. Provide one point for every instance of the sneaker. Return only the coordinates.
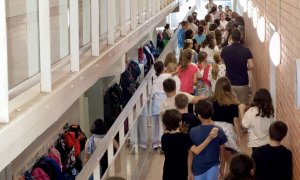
(155, 146)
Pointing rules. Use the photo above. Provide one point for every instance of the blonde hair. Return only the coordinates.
(171, 67)
(215, 68)
(185, 59)
(223, 93)
(170, 58)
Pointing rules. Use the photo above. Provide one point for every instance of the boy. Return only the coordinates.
(274, 161)
(169, 86)
(206, 164)
(176, 146)
(181, 33)
(189, 120)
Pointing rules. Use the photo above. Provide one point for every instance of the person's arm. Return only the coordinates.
(242, 111)
(190, 163)
(195, 78)
(196, 99)
(250, 64)
(198, 149)
(86, 154)
(237, 127)
(246, 121)
(222, 159)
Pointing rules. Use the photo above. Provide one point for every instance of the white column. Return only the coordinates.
(147, 2)
(63, 28)
(123, 17)
(4, 114)
(45, 58)
(32, 37)
(86, 22)
(133, 14)
(111, 18)
(141, 11)
(96, 172)
(95, 27)
(74, 35)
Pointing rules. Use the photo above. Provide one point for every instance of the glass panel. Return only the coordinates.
(117, 4)
(59, 27)
(84, 22)
(22, 40)
(103, 16)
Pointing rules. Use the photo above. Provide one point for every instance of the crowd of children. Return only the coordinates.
(201, 101)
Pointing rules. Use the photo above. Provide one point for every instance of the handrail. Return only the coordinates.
(130, 113)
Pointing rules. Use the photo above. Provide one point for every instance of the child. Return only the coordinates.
(259, 118)
(176, 146)
(171, 68)
(188, 44)
(241, 168)
(158, 96)
(204, 86)
(170, 90)
(181, 34)
(189, 120)
(206, 164)
(217, 70)
(274, 161)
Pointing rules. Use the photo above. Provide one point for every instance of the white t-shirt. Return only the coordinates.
(194, 28)
(177, 80)
(210, 53)
(223, 24)
(221, 73)
(158, 82)
(169, 103)
(258, 127)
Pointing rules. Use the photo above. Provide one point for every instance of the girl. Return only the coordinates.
(188, 44)
(200, 37)
(171, 68)
(226, 115)
(187, 73)
(217, 70)
(241, 168)
(204, 86)
(259, 118)
(219, 38)
(223, 22)
(158, 96)
(176, 146)
(170, 58)
(209, 46)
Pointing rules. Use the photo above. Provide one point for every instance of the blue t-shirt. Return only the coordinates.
(180, 36)
(199, 39)
(210, 156)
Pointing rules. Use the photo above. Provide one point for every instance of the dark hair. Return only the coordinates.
(240, 21)
(171, 119)
(200, 30)
(98, 127)
(194, 14)
(213, 9)
(218, 36)
(203, 23)
(207, 18)
(184, 23)
(204, 109)
(190, 19)
(188, 34)
(263, 101)
(181, 101)
(185, 58)
(209, 41)
(167, 26)
(169, 85)
(202, 56)
(235, 35)
(217, 22)
(220, 6)
(158, 67)
(241, 168)
(213, 27)
(278, 130)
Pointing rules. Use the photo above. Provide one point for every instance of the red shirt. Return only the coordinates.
(187, 78)
(204, 79)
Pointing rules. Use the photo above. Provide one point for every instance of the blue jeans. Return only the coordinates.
(211, 174)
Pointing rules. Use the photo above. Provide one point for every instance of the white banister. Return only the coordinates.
(133, 14)
(45, 57)
(123, 11)
(95, 27)
(4, 115)
(74, 35)
(111, 19)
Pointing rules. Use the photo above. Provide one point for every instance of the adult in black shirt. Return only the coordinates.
(274, 161)
(238, 61)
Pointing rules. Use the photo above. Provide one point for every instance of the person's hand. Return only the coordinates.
(213, 133)
(190, 176)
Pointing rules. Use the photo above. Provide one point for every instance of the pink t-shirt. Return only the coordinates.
(187, 78)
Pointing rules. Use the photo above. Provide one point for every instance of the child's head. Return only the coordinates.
(200, 30)
(202, 57)
(189, 34)
(208, 18)
(188, 43)
(190, 19)
(278, 131)
(159, 67)
(170, 58)
(181, 101)
(215, 68)
(185, 24)
(213, 27)
(172, 119)
(98, 127)
(263, 101)
(217, 57)
(241, 168)
(204, 110)
(169, 85)
(223, 92)
(171, 68)
(185, 58)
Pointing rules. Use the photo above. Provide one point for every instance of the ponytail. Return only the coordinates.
(186, 57)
